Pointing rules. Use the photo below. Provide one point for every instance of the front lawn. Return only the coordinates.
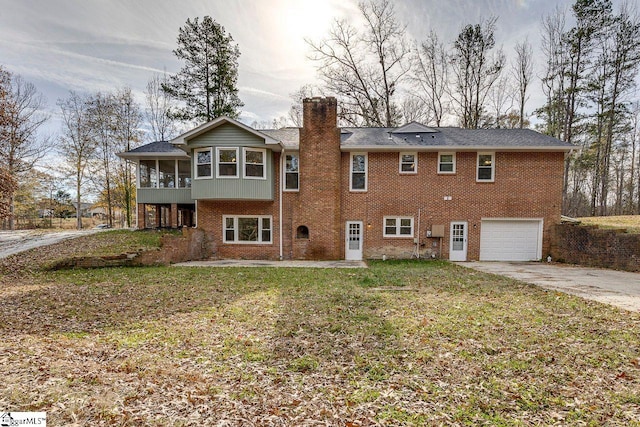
(401, 343)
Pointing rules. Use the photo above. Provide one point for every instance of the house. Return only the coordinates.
(323, 192)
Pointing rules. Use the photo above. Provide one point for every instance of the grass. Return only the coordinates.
(197, 346)
(629, 222)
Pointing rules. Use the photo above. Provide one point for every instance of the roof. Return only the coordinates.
(289, 137)
(385, 139)
(154, 149)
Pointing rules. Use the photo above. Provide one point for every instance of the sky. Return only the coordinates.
(101, 45)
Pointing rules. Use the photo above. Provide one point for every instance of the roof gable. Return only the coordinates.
(213, 124)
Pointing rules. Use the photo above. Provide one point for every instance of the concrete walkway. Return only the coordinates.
(260, 263)
(618, 288)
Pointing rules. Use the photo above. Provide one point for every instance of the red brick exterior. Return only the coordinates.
(526, 185)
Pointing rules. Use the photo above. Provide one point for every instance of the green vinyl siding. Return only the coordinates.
(164, 195)
(230, 136)
(226, 135)
(236, 188)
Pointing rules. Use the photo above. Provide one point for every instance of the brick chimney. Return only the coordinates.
(320, 180)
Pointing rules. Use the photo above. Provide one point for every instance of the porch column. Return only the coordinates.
(141, 216)
(174, 215)
(158, 223)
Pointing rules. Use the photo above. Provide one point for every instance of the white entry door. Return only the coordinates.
(458, 243)
(353, 233)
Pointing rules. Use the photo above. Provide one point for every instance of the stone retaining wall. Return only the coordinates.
(192, 245)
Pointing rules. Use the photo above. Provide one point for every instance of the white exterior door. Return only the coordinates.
(458, 241)
(511, 239)
(353, 234)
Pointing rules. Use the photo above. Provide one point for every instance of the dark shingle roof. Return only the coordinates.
(289, 137)
(157, 147)
(449, 138)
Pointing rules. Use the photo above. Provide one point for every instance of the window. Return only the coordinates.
(167, 173)
(247, 229)
(184, 174)
(358, 177)
(446, 162)
(291, 172)
(254, 163)
(148, 174)
(398, 227)
(226, 163)
(408, 163)
(485, 167)
(203, 163)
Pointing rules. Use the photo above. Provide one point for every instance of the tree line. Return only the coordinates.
(587, 69)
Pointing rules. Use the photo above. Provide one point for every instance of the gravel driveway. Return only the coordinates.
(618, 288)
(13, 242)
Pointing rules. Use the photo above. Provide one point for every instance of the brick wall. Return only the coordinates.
(512, 195)
(594, 247)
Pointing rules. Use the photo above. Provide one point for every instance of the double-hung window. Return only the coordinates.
(203, 163)
(254, 163)
(446, 163)
(398, 226)
(291, 172)
(358, 175)
(408, 163)
(247, 229)
(485, 167)
(226, 162)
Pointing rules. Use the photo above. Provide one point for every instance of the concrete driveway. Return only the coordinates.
(13, 242)
(618, 288)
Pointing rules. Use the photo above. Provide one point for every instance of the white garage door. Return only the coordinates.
(510, 240)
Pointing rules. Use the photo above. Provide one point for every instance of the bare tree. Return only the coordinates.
(522, 70)
(22, 116)
(159, 106)
(430, 76)
(127, 120)
(500, 101)
(364, 69)
(476, 68)
(76, 144)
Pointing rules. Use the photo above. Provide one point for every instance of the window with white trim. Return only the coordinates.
(247, 229)
(147, 172)
(291, 172)
(485, 167)
(446, 163)
(408, 163)
(226, 162)
(358, 175)
(254, 163)
(203, 163)
(398, 226)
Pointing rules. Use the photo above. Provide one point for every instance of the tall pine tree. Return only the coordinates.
(207, 83)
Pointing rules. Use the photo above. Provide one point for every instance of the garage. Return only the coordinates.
(510, 239)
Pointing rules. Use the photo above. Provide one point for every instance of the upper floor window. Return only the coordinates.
(485, 167)
(446, 162)
(167, 173)
(291, 172)
(398, 227)
(247, 229)
(254, 163)
(358, 175)
(184, 174)
(148, 177)
(203, 163)
(408, 163)
(226, 162)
